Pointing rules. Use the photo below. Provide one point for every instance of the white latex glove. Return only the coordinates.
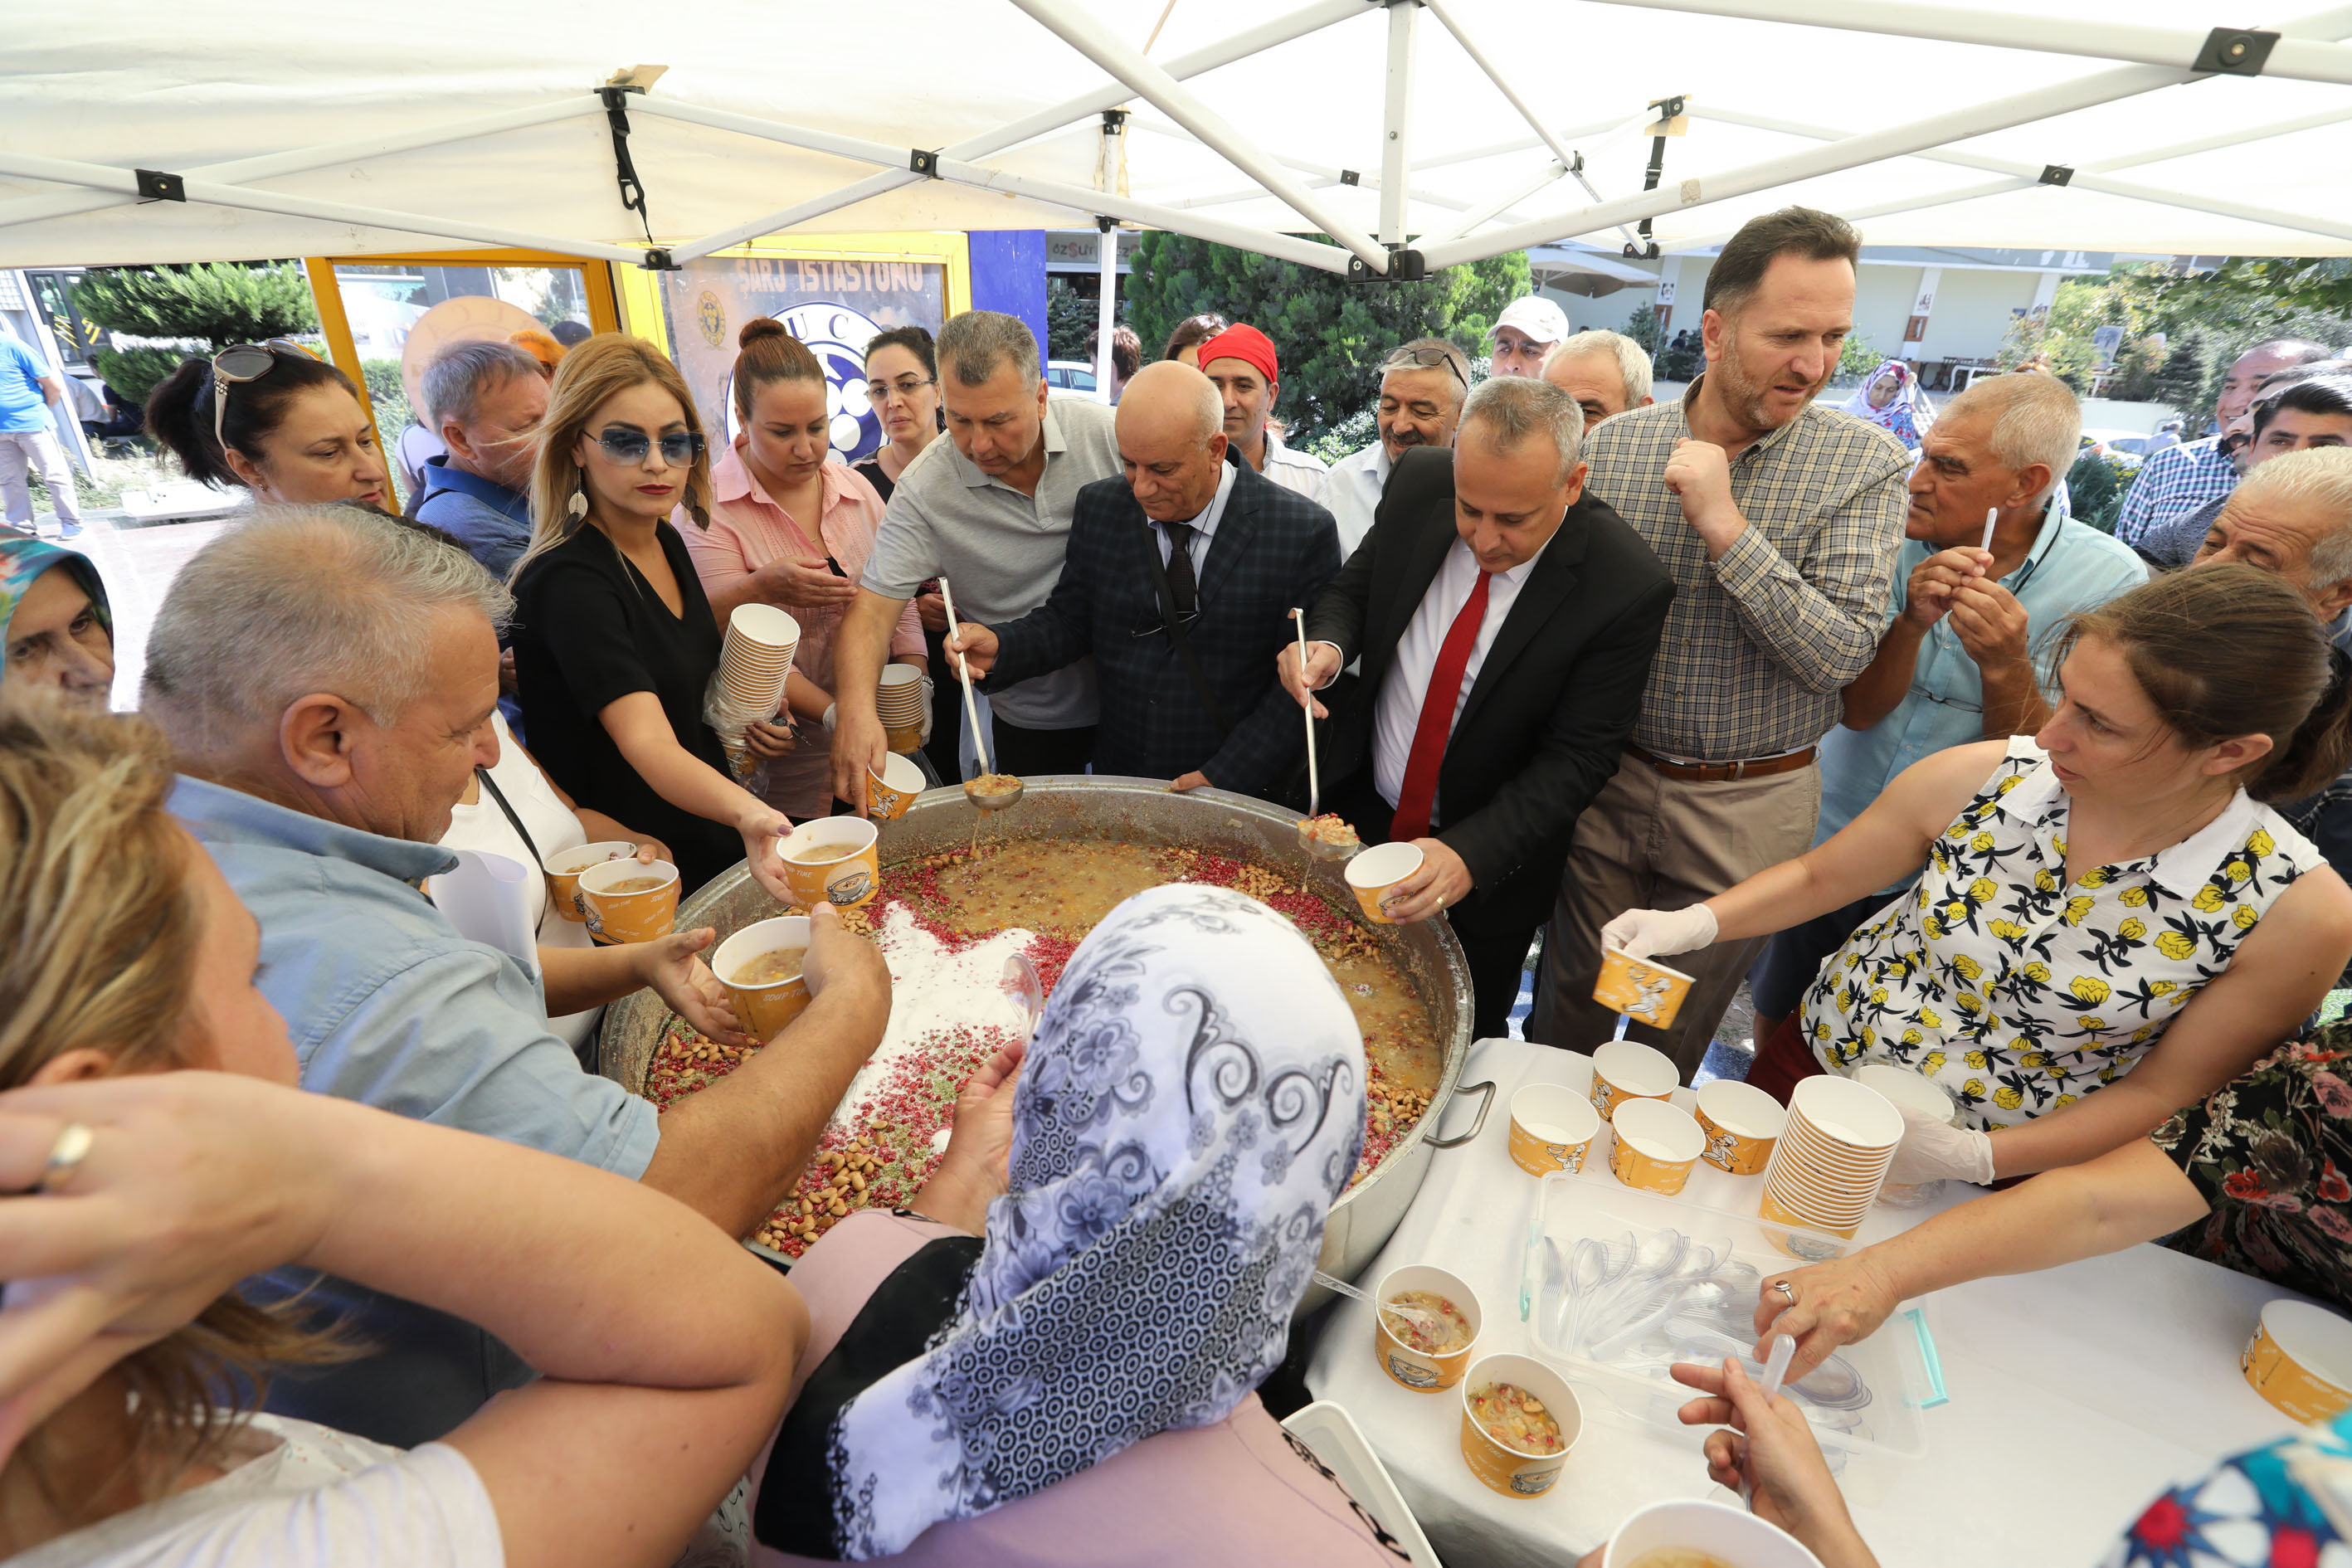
(1653, 933)
(1933, 1149)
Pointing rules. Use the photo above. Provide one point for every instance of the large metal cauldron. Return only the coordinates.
(1140, 810)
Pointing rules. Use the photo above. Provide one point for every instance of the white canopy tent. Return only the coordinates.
(1449, 130)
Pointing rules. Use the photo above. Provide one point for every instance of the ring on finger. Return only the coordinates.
(66, 1156)
(1788, 1291)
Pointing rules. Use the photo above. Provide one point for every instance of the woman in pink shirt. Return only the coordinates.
(791, 528)
(1058, 1364)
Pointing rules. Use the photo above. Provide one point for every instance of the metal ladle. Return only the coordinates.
(1317, 848)
(984, 800)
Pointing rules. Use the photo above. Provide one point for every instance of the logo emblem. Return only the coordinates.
(711, 317)
(837, 335)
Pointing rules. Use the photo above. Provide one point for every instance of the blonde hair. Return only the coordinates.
(599, 368)
(98, 948)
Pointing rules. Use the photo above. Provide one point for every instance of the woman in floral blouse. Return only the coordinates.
(2087, 947)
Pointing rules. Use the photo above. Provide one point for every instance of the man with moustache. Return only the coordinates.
(2190, 475)
(1421, 388)
(1779, 522)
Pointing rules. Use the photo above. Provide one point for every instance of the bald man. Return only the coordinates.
(1178, 583)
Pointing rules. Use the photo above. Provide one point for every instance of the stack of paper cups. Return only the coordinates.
(1902, 1087)
(752, 664)
(1826, 1169)
(899, 700)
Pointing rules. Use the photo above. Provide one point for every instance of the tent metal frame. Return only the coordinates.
(2305, 49)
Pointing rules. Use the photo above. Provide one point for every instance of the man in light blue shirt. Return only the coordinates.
(1967, 626)
(328, 677)
(28, 442)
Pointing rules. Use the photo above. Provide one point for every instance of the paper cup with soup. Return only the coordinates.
(1426, 1343)
(1742, 1123)
(2300, 1359)
(563, 869)
(761, 966)
(831, 859)
(1375, 874)
(1519, 1419)
(1553, 1128)
(1657, 1143)
(1689, 1533)
(629, 900)
(891, 788)
(1626, 1070)
(1642, 989)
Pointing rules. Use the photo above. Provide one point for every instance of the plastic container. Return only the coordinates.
(1339, 1443)
(1892, 1364)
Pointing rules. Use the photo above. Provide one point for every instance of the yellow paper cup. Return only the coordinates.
(1506, 1469)
(1657, 1144)
(831, 859)
(1777, 1213)
(2300, 1359)
(1694, 1531)
(1420, 1369)
(1742, 1124)
(563, 869)
(1624, 1069)
(763, 1007)
(1643, 990)
(892, 789)
(615, 916)
(1376, 870)
(1552, 1129)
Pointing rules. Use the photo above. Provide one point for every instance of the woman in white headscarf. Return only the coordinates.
(1083, 1370)
(1890, 398)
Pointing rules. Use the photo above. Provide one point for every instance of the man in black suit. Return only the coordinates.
(1507, 621)
(1179, 580)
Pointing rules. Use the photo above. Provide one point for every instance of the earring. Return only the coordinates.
(578, 505)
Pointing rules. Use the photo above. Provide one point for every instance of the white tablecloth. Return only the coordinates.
(2075, 1395)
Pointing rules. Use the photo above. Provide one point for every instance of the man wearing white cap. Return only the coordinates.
(1529, 327)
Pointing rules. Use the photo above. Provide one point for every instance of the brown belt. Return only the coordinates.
(1713, 772)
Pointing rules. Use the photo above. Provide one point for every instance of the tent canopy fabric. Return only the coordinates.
(302, 130)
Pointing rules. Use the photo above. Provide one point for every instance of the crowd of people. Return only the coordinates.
(1839, 701)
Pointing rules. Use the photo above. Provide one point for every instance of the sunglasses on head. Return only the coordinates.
(1406, 358)
(236, 365)
(627, 446)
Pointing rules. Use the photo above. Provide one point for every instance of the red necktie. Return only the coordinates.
(1429, 737)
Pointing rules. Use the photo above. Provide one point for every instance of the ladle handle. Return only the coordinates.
(1313, 777)
(970, 708)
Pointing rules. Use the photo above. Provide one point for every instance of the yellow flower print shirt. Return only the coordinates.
(2020, 993)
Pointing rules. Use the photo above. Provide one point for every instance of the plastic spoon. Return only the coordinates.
(1418, 1316)
(984, 800)
(1784, 1351)
(1023, 986)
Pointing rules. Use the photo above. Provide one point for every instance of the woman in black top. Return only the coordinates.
(902, 382)
(614, 643)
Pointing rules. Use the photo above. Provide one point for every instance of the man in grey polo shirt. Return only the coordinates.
(319, 765)
(988, 509)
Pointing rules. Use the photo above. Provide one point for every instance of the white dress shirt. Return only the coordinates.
(1397, 713)
(1295, 470)
(1204, 527)
(1352, 491)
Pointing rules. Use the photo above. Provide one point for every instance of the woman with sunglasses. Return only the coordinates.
(615, 642)
(272, 419)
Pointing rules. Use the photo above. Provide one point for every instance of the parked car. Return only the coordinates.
(1070, 374)
(2129, 446)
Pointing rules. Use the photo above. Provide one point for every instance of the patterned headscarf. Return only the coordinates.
(22, 560)
(1908, 413)
(1191, 1107)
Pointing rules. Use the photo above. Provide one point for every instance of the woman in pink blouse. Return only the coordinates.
(790, 527)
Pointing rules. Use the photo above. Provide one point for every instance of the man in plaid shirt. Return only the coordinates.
(2183, 478)
(1780, 522)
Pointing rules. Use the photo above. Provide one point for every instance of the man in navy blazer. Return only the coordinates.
(1179, 579)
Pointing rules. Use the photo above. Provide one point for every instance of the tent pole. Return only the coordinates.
(1320, 176)
(1106, 304)
(1076, 27)
(1473, 221)
(786, 217)
(210, 192)
(1894, 141)
(2305, 58)
(1445, 15)
(1602, 131)
(1151, 215)
(243, 171)
(855, 149)
(1396, 119)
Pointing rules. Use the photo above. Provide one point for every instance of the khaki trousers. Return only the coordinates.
(1651, 842)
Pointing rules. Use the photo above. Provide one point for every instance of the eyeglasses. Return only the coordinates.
(1405, 358)
(242, 362)
(906, 386)
(629, 446)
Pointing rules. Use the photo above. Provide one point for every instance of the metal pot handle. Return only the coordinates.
(1485, 1089)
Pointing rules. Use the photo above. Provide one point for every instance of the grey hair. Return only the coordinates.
(974, 343)
(1633, 360)
(455, 383)
(1514, 407)
(2321, 476)
(2035, 419)
(1458, 384)
(304, 599)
